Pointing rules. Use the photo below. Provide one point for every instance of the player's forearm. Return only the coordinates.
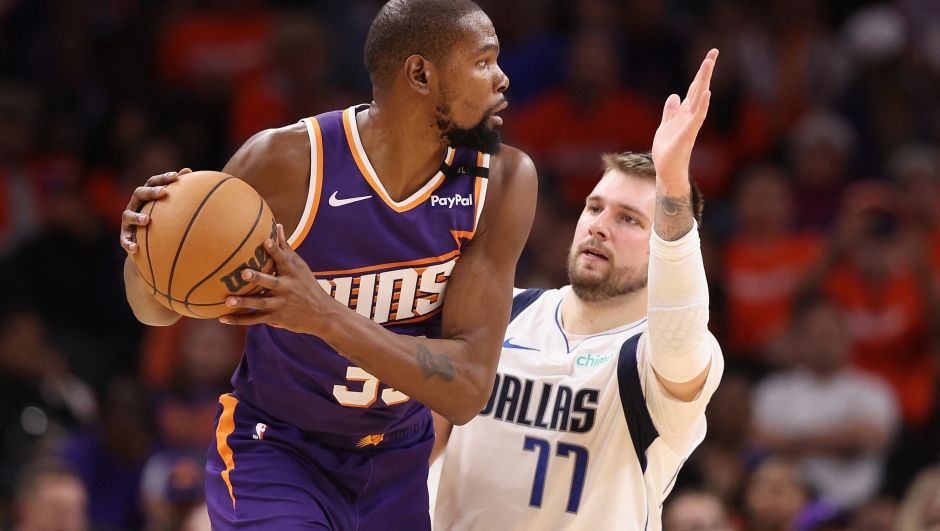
(674, 216)
(454, 377)
(678, 307)
(146, 308)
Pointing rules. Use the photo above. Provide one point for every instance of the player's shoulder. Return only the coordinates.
(512, 190)
(278, 142)
(511, 166)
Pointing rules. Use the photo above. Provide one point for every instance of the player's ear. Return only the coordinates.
(418, 71)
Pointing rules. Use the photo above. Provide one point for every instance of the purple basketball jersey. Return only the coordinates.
(389, 262)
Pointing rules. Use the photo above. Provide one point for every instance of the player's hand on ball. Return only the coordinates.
(155, 188)
(675, 137)
(291, 298)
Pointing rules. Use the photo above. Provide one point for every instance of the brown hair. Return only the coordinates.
(641, 165)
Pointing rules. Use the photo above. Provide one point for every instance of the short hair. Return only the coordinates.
(29, 478)
(407, 27)
(641, 165)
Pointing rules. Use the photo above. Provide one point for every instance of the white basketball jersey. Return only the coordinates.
(578, 432)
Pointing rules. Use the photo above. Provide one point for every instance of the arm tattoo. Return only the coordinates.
(673, 217)
(435, 365)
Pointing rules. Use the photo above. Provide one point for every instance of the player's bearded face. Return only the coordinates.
(481, 137)
(599, 283)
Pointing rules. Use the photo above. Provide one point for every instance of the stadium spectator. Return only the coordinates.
(565, 130)
(834, 421)
(765, 261)
(822, 145)
(295, 83)
(775, 497)
(110, 457)
(696, 511)
(920, 508)
(875, 269)
(50, 497)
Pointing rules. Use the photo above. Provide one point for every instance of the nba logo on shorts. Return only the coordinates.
(259, 431)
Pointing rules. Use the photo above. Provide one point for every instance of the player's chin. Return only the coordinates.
(588, 269)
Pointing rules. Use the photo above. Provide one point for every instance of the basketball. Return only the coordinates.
(203, 232)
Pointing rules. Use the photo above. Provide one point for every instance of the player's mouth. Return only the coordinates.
(594, 254)
(498, 120)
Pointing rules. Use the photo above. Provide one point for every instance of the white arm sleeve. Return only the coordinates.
(678, 308)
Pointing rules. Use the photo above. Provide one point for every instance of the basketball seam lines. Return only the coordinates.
(179, 249)
(147, 243)
(203, 304)
(227, 260)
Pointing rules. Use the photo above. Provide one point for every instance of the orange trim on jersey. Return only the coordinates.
(348, 116)
(226, 427)
(422, 261)
(433, 312)
(480, 157)
(458, 234)
(477, 190)
(319, 183)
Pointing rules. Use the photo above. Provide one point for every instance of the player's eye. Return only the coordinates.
(628, 219)
(594, 209)
(481, 63)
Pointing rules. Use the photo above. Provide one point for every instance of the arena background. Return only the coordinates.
(819, 163)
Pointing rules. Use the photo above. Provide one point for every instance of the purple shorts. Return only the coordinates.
(264, 474)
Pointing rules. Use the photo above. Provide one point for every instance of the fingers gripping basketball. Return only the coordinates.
(207, 228)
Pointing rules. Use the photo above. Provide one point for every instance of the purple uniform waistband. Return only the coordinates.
(402, 437)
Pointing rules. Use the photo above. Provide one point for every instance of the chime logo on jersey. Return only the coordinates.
(393, 295)
(589, 360)
(571, 411)
(259, 431)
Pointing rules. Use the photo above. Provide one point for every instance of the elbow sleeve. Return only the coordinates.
(678, 307)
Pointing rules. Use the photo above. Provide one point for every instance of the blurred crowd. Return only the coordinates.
(819, 162)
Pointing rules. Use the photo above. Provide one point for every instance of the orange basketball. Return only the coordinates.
(206, 229)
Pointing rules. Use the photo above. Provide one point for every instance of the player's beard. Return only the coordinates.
(613, 283)
(480, 137)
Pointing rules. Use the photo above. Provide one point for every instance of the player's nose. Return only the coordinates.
(599, 226)
(502, 80)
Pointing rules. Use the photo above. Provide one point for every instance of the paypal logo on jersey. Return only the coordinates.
(456, 200)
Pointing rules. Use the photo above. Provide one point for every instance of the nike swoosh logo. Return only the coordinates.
(334, 202)
(507, 344)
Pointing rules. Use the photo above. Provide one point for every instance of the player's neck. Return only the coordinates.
(403, 150)
(585, 318)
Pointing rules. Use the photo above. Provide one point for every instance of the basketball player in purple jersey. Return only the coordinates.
(382, 209)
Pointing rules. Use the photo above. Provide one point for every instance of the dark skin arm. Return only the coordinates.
(141, 299)
(454, 375)
(276, 162)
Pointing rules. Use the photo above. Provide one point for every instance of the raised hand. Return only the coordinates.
(672, 151)
(672, 145)
(155, 188)
(292, 298)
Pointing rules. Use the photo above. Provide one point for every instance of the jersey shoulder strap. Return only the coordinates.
(523, 300)
(642, 430)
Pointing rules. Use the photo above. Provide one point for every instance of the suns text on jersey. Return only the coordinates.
(559, 407)
(392, 295)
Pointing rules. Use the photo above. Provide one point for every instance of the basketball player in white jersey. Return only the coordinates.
(601, 389)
